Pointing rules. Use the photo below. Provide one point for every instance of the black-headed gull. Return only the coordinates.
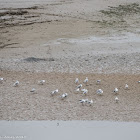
(41, 82)
(116, 99)
(79, 86)
(99, 91)
(33, 90)
(16, 84)
(54, 92)
(86, 100)
(76, 81)
(85, 91)
(86, 80)
(90, 102)
(126, 86)
(116, 90)
(77, 90)
(83, 101)
(64, 95)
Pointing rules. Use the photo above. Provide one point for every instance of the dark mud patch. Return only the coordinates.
(10, 17)
(116, 23)
(33, 59)
(122, 10)
(28, 8)
(14, 12)
(122, 16)
(5, 45)
(18, 16)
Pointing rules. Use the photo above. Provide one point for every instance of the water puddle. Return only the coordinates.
(126, 38)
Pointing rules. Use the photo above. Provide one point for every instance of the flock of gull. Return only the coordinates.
(77, 90)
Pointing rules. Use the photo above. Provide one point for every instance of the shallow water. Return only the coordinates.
(125, 38)
(68, 130)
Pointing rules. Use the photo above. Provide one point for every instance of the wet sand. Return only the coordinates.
(61, 40)
(99, 39)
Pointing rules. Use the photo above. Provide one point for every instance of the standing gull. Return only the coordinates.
(83, 101)
(54, 92)
(116, 99)
(77, 90)
(126, 86)
(79, 86)
(86, 80)
(85, 91)
(116, 90)
(33, 90)
(90, 102)
(99, 91)
(76, 81)
(64, 95)
(41, 82)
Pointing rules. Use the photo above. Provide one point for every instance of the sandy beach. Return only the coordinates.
(18, 103)
(59, 41)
